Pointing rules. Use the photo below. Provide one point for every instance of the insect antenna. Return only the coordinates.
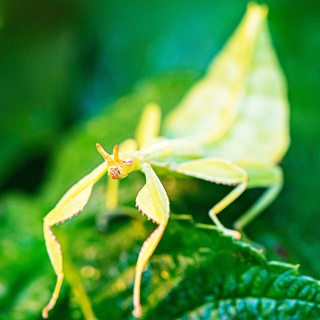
(104, 154)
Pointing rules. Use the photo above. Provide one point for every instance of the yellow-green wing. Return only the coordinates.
(239, 111)
(260, 131)
(209, 108)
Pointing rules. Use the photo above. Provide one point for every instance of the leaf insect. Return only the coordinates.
(231, 128)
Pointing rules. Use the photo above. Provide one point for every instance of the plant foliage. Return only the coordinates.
(197, 272)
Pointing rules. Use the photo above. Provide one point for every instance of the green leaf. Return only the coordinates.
(229, 279)
(24, 266)
(194, 273)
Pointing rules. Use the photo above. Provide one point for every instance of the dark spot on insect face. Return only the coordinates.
(114, 173)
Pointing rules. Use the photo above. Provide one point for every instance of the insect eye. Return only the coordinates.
(114, 173)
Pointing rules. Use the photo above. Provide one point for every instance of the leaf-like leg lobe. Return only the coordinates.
(146, 252)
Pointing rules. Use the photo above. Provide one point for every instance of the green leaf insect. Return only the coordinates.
(231, 128)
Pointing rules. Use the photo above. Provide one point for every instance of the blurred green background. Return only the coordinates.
(64, 62)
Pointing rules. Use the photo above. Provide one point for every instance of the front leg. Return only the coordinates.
(71, 203)
(146, 252)
(152, 201)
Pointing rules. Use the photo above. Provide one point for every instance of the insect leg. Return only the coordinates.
(218, 171)
(260, 176)
(70, 204)
(146, 252)
(222, 204)
(149, 125)
(55, 254)
(152, 201)
(112, 195)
